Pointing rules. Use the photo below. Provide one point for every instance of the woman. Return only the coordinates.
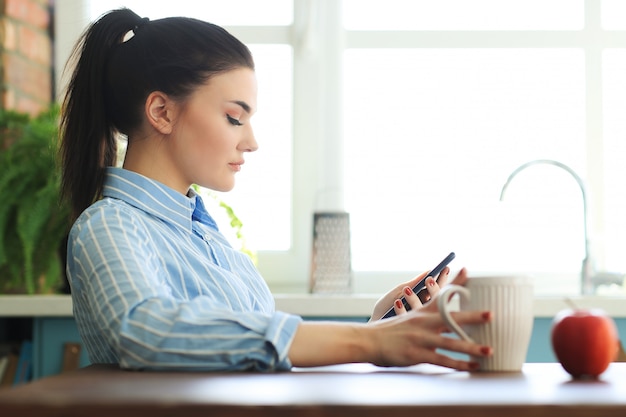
(154, 283)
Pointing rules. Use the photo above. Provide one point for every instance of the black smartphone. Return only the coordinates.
(421, 286)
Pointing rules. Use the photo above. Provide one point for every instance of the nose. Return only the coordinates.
(249, 144)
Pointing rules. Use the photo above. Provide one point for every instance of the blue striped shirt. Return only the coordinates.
(156, 286)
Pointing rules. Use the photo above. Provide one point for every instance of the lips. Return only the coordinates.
(236, 166)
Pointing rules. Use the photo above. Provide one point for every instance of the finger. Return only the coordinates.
(417, 279)
(471, 317)
(443, 277)
(433, 286)
(425, 294)
(454, 344)
(432, 319)
(398, 307)
(411, 298)
(465, 318)
(399, 290)
(437, 358)
(461, 277)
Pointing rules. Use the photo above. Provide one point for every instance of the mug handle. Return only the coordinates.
(443, 304)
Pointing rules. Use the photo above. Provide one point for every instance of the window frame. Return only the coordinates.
(319, 39)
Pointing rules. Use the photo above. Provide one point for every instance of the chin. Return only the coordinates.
(220, 188)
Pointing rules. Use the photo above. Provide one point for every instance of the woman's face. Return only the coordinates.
(213, 131)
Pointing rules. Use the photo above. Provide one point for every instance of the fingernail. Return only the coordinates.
(430, 281)
(474, 366)
(408, 290)
(486, 315)
(398, 304)
(485, 350)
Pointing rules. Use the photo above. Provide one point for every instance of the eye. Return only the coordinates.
(233, 121)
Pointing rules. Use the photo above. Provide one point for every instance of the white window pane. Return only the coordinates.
(262, 195)
(614, 107)
(223, 13)
(431, 137)
(464, 14)
(614, 14)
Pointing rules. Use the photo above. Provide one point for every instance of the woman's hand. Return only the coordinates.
(392, 298)
(416, 337)
(459, 279)
(408, 339)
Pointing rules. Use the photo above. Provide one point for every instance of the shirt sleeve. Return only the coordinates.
(122, 299)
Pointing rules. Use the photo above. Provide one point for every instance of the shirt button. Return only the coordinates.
(207, 237)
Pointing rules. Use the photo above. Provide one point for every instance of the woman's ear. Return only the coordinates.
(160, 112)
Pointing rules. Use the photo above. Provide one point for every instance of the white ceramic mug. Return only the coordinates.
(510, 299)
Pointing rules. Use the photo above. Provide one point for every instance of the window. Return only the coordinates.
(456, 15)
(429, 163)
(443, 100)
(411, 115)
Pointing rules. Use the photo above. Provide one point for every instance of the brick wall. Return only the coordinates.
(26, 50)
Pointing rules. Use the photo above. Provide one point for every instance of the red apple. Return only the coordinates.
(584, 341)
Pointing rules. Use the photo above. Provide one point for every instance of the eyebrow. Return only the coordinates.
(245, 106)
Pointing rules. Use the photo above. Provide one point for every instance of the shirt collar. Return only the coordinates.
(156, 198)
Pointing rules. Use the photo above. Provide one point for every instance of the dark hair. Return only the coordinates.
(112, 78)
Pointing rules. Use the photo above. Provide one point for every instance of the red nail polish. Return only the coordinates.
(485, 350)
(486, 315)
(398, 304)
(408, 291)
(474, 366)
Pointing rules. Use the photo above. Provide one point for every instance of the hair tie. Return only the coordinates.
(139, 25)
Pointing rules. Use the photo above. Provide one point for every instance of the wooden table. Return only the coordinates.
(541, 389)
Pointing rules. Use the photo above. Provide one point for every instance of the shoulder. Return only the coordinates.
(108, 216)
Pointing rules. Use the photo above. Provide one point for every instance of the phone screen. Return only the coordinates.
(421, 286)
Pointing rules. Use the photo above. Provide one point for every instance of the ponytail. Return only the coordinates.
(113, 76)
(88, 138)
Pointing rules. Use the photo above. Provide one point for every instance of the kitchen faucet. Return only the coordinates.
(587, 286)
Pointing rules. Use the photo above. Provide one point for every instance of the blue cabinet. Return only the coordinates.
(49, 337)
(51, 333)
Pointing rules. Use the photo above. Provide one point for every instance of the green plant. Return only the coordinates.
(33, 220)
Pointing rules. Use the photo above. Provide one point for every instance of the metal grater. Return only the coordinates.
(331, 269)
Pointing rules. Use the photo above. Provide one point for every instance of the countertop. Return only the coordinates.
(310, 305)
